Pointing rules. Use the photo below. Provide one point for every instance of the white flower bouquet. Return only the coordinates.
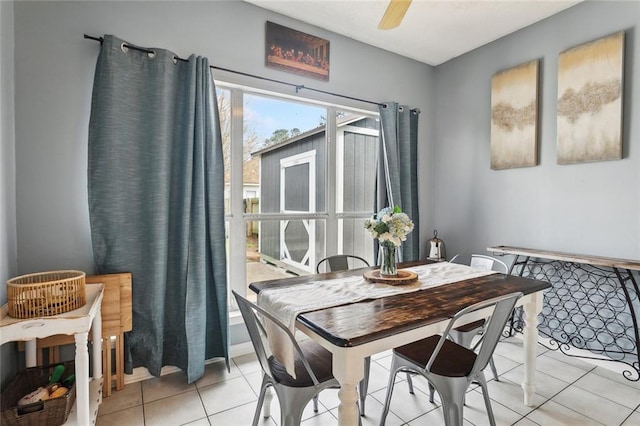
(390, 226)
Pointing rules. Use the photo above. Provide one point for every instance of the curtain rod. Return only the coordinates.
(298, 87)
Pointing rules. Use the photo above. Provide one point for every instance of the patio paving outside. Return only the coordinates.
(260, 271)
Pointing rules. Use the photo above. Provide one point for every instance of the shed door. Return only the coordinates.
(298, 195)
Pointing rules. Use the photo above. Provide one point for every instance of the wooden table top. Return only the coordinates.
(365, 321)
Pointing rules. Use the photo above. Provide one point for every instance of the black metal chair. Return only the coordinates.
(343, 262)
(313, 366)
(449, 367)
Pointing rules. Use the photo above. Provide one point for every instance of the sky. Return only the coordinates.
(268, 114)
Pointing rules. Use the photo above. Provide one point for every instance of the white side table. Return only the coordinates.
(77, 323)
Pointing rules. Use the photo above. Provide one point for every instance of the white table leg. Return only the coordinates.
(82, 379)
(30, 353)
(96, 349)
(348, 369)
(532, 308)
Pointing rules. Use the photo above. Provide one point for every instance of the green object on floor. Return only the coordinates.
(58, 370)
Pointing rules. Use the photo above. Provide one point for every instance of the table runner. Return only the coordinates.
(286, 303)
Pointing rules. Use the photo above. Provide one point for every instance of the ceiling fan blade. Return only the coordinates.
(393, 15)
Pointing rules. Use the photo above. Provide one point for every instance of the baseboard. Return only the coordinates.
(141, 373)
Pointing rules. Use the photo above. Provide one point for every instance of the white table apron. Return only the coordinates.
(348, 362)
(78, 322)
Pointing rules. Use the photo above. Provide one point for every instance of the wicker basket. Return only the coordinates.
(52, 412)
(46, 293)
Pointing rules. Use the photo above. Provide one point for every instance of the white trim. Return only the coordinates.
(294, 98)
(360, 130)
(237, 277)
(141, 373)
(339, 187)
(331, 225)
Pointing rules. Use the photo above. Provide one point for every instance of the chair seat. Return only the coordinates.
(472, 326)
(453, 360)
(318, 358)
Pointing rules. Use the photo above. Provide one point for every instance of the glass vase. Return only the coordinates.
(388, 266)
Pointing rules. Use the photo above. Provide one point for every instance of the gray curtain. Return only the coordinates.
(156, 202)
(397, 173)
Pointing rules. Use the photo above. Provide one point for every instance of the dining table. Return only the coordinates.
(354, 331)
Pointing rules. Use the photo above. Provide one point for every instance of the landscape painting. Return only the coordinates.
(590, 80)
(514, 117)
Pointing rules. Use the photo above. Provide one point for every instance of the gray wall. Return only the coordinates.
(589, 208)
(8, 251)
(54, 75)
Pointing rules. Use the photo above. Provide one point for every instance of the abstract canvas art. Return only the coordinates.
(590, 78)
(514, 117)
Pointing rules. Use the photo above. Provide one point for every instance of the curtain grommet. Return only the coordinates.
(174, 59)
(151, 54)
(124, 48)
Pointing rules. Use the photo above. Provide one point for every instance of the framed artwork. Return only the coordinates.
(590, 91)
(296, 52)
(514, 117)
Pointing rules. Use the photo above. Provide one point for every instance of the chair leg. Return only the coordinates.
(452, 394)
(363, 386)
(119, 361)
(292, 403)
(263, 390)
(387, 401)
(432, 392)
(315, 404)
(410, 383)
(266, 404)
(452, 411)
(493, 369)
(106, 366)
(487, 401)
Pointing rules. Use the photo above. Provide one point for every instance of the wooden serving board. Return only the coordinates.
(403, 277)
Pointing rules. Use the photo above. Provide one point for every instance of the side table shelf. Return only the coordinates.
(77, 323)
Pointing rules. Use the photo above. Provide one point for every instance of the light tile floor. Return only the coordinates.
(569, 392)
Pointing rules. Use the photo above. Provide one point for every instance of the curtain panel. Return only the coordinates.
(397, 170)
(156, 202)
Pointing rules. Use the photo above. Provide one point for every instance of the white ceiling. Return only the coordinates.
(432, 31)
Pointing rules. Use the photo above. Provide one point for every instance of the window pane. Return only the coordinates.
(284, 146)
(355, 239)
(276, 129)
